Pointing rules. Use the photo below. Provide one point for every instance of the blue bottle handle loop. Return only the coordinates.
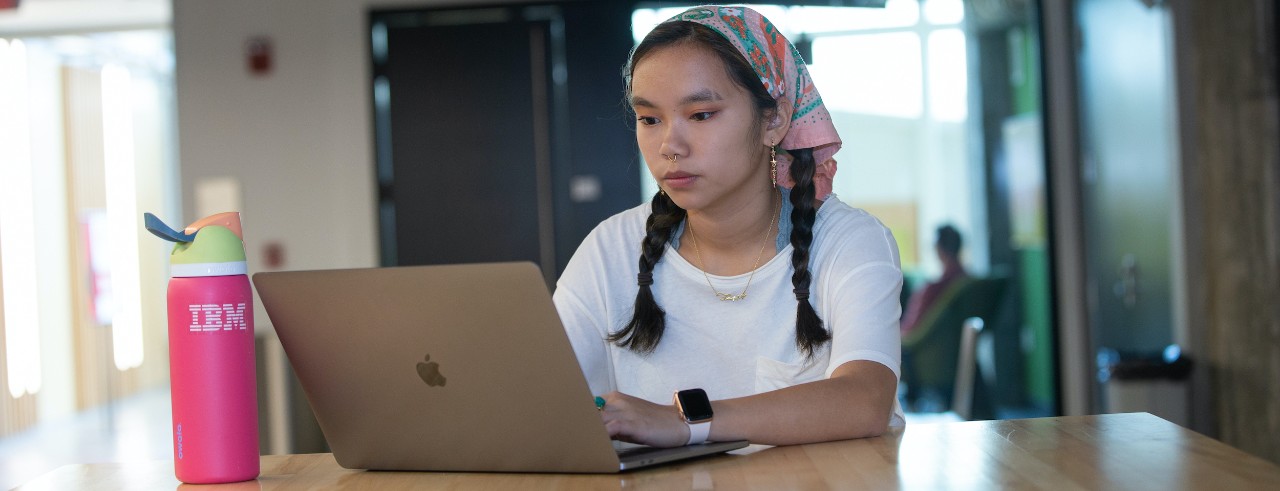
(157, 227)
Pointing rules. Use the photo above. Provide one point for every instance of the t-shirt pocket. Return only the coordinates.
(773, 374)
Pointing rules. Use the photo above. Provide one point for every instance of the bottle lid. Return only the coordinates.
(212, 246)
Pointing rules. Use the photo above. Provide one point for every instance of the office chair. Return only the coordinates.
(931, 352)
(966, 366)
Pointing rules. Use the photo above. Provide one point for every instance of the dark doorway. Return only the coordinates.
(487, 120)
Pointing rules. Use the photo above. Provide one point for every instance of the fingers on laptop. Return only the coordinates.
(636, 420)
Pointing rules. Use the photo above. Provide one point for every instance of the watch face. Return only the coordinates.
(694, 404)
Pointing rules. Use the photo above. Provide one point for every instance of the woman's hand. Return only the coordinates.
(635, 420)
(856, 402)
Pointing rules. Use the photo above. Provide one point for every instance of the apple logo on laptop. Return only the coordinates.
(429, 371)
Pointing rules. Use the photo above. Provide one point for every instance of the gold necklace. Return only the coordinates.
(764, 242)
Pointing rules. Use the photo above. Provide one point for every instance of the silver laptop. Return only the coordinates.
(445, 368)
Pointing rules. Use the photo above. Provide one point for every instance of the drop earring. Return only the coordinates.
(773, 165)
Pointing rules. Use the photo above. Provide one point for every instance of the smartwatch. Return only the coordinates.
(695, 409)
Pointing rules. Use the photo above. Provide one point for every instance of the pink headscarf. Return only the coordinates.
(785, 77)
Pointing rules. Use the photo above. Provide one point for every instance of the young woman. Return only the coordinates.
(761, 307)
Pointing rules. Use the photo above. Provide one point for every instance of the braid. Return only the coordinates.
(810, 334)
(649, 320)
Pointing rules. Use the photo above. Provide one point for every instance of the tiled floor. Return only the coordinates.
(135, 429)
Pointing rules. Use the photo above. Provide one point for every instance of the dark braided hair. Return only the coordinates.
(810, 334)
(648, 321)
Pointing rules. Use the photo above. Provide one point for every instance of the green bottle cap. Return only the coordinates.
(216, 251)
(212, 246)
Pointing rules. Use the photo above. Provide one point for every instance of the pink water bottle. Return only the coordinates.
(211, 363)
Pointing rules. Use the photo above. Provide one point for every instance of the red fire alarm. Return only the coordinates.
(257, 52)
(9, 4)
(273, 255)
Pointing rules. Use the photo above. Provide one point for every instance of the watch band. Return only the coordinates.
(695, 409)
(698, 432)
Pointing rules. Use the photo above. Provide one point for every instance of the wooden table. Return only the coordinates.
(1115, 451)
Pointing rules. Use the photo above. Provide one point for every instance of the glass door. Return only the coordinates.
(1129, 153)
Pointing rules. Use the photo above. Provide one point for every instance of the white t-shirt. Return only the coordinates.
(733, 349)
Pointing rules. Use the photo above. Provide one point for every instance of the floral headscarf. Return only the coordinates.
(785, 77)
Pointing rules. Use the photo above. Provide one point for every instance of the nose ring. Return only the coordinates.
(671, 158)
